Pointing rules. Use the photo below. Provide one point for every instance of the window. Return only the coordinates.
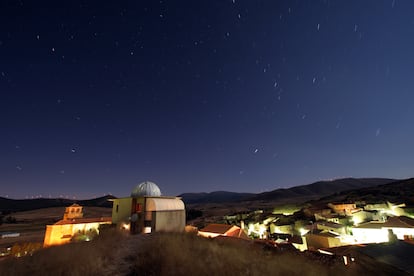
(117, 208)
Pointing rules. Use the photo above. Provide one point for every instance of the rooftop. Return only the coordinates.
(217, 228)
(83, 220)
(392, 222)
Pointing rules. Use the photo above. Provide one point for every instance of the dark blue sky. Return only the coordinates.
(97, 96)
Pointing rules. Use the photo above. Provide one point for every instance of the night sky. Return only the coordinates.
(244, 96)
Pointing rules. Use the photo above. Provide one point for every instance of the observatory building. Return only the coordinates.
(146, 211)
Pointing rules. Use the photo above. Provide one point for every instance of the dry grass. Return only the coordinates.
(87, 258)
(177, 254)
(174, 254)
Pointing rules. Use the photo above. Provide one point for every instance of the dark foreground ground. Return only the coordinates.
(114, 253)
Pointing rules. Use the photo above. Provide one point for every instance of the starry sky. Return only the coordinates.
(244, 96)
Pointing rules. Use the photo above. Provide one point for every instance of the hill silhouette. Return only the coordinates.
(15, 205)
(400, 191)
(340, 190)
(322, 188)
(303, 192)
(215, 197)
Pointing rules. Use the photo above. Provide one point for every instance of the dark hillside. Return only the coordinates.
(321, 188)
(214, 197)
(302, 193)
(401, 191)
(15, 205)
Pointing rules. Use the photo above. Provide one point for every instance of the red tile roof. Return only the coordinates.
(217, 228)
(84, 220)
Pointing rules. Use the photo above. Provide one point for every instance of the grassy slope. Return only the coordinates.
(176, 254)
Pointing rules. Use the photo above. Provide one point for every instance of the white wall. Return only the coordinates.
(367, 235)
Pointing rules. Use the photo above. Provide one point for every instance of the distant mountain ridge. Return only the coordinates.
(400, 191)
(214, 197)
(337, 189)
(305, 192)
(322, 188)
(15, 205)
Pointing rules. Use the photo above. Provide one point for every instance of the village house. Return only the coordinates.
(364, 216)
(344, 208)
(331, 217)
(332, 227)
(322, 239)
(215, 230)
(281, 229)
(379, 231)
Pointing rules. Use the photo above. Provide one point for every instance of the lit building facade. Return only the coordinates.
(378, 232)
(146, 211)
(73, 224)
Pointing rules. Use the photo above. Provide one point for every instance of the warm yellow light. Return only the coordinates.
(126, 226)
(303, 231)
(262, 231)
(250, 229)
(356, 220)
(370, 235)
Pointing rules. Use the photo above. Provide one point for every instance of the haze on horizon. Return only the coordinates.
(244, 96)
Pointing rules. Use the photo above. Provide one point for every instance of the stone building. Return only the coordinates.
(73, 224)
(146, 211)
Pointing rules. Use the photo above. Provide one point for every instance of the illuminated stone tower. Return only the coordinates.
(73, 212)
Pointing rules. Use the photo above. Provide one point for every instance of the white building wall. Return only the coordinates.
(401, 232)
(369, 235)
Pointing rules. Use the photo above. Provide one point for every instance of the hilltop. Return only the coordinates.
(302, 193)
(400, 191)
(17, 205)
(215, 197)
(297, 193)
(322, 188)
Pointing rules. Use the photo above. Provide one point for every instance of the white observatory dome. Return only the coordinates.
(146, 188)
